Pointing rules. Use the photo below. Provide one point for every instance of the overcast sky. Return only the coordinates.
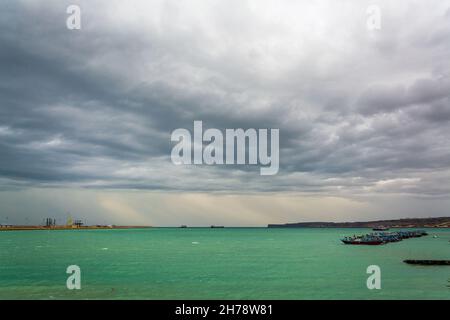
(86, 115)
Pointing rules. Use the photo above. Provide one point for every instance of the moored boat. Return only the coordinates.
(381, 228)
(383, 237)
(429, 262)
(363, 240)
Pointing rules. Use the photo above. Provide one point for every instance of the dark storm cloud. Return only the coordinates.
(393, 98)
(358, 111)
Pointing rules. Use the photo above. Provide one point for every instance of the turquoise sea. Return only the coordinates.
(230, 263)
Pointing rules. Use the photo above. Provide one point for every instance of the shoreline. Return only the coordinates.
(59, 228)
(32, 228)
(436, 222)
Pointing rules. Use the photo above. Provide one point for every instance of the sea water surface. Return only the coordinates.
(229, 263)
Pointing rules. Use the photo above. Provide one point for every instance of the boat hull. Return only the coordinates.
(366, 243)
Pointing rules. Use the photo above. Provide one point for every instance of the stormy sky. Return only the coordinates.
(86, 115)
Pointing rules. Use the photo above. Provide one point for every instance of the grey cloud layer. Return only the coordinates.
(358, 111)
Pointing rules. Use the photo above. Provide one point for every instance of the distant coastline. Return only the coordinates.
(98, 227)
(441, 222)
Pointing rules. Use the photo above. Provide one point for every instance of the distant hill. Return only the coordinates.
(442, 222)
